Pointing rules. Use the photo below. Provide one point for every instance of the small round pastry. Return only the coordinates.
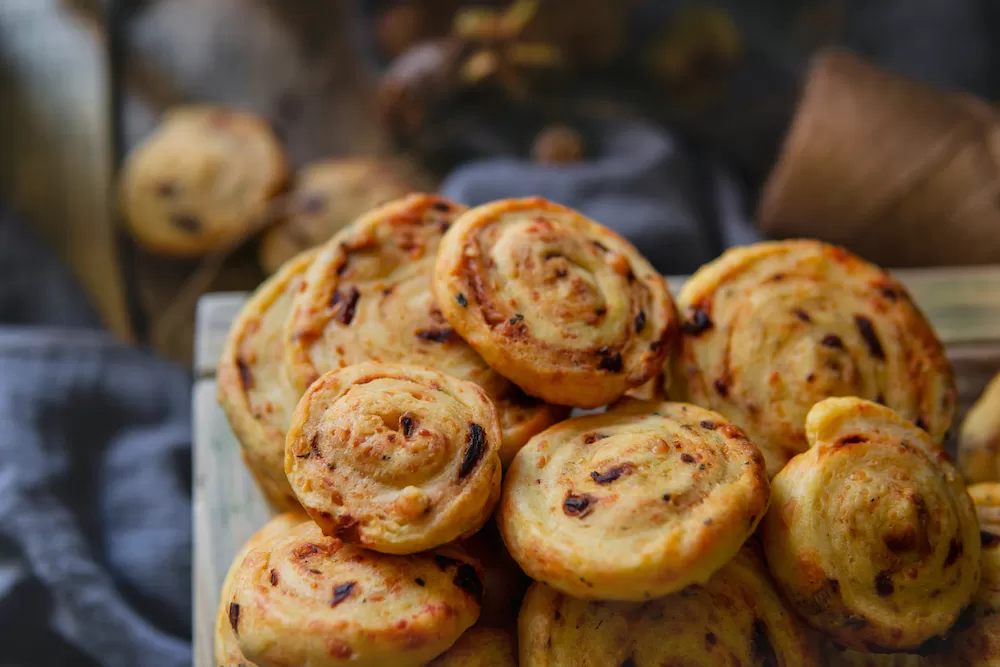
(395, 458)
(871, 534)
(368, 298)
(634, 503)
(480, 647)
(306, 599)
(979, 437)
(325, 197)
(202, 181)
(565, 308)
(227, 647)
(772, 328)
(986, 497)
(736, 618)
(253, 391)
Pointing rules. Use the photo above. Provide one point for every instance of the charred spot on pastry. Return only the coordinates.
(406, 425)
(833, 341)
(467, 579)
(591, 438)
(561, 273)
(988, 539)
(518, 317)
(348, 304)
(600, 311)
(167, 189)
(435, 335)
(710, 638)
(721, 388)
(442, 206)
(920, 423)
(666, 497)
(274, 577)
(342, 268)
(883, 584)
(577, 504)
(760, 646)
(867, 331)
(346, 528)
(888, 292)
(687, 458)
(246, 377)
(802, 315)
(955, 550)
(419, 582)
(851, 439)
(698, 323)
(610, 360)
(186, 222)
(600, 246)
(444, 562)
(856, 622)
(475, 444)
(234, 617)
(640, 321)
(612, 474)
(708, 424)
(461, 300)
(342, 591)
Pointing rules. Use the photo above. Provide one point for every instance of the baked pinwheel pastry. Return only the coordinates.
(253, 391)
(979, 438)
(736, 618)
(368, 298)
(395, 458)
(871, 534)
(306, 599)
(227, 647)
(772, 328)
(480, 647)
(202, 181)
(986, 497)
(567, 309)
(632, 504)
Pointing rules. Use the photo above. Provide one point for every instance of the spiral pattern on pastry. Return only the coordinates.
(632, 504)
(565, 308)
(480, 647)
(202, 181)
(368, 298)
(227, 647)
(306, 599)
(736, 618)
(871, 534)
(772, 328)
(395, 458)
(253, 390)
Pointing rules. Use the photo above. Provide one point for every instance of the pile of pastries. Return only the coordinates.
(757, 477)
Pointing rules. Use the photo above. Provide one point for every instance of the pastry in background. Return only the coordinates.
(565, 308)
(979, 438)
(202, 182)
(305, 599)
(324, 198)
(986, 497)
(395, 458)
(735, 618)
(480, 647)
(772, 328)
(871, 535)
(368, 298)
(632, 504)
(227, 649)
(253, 391)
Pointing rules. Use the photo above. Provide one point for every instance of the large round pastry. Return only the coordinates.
(395, 458)
(871, 534)
(255, 395)
(632, 504)
(368, 297)
(566, 308)
(305, 599)
(770, 329)
(736, 618)
(227, 647)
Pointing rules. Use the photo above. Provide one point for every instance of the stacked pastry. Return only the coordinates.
(383, 384)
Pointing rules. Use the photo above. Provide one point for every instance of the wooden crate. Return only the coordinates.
(962, 304)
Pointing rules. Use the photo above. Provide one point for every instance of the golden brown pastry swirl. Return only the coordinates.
(566, 308)
(772, 328)
(395, 458)
(368, 298)
(306, 599)
(736, 618)
(871, 534)
(634, 503)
